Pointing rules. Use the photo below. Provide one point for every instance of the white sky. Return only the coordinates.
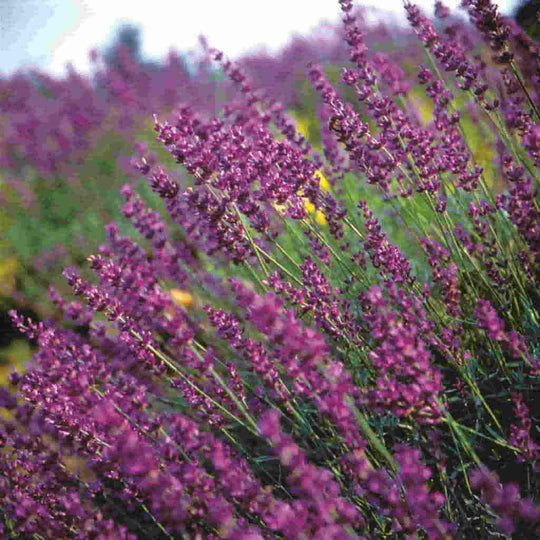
(50, 33)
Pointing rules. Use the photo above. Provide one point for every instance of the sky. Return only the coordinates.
(49, 34)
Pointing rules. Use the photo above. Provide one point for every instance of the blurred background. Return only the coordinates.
(52, 33)
(79, 82)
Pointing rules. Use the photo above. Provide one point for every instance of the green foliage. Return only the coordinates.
(69, 212)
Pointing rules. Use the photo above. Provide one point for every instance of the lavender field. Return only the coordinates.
(293, 296)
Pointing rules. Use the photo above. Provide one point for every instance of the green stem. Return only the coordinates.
(456, 428)
(372, 437)
(521, 81)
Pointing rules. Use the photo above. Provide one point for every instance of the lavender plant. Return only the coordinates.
(89, 125)
(272, 362)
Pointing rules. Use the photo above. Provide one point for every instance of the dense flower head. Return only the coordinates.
(490, 23)
(521, 437)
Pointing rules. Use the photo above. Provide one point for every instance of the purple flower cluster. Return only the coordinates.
(48, 120)
(520, 436)
(268, 358)
(489, 320)
(489, 22)
(408, 384)
(505, 500)
(444, 273)
(449, 53)
(391, 262)
(319, 511)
